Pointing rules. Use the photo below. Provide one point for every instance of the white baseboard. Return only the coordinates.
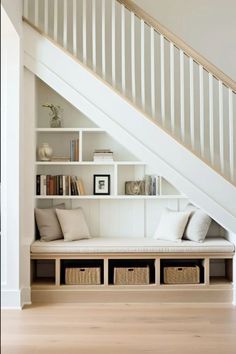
(15, 299)
(25, 297)
(11, 299)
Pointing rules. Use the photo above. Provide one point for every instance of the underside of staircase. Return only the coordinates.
(126, 123)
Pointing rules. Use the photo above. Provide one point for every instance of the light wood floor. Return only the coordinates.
(119, 328)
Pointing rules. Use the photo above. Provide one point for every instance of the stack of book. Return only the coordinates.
(104, 155)
(74, 150)
(152, 185)
(59, 185)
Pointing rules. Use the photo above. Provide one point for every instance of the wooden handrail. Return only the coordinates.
(180, 44)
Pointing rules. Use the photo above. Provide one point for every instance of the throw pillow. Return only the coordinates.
(198, 224)
(171, 226)
(48, 224)
(73, 224)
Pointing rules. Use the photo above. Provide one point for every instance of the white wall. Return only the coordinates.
(208, 26)
(12, 200)
(14, 12)
(11, 106)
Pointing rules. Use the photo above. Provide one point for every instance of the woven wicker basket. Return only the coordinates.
(131, 275)
(83, 276)
(182, 275)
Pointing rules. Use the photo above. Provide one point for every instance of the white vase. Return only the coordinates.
(44, 152)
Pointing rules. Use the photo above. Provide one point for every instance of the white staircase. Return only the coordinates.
(173, 111)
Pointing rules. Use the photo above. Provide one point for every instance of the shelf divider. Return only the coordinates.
(206, 271)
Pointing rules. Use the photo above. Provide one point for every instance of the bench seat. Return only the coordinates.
(132, 245)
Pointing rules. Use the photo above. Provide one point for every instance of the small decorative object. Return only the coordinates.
(55, 114)
(44, 152)
(135, 187)
(152, 185)
(101, 184)
(103, 155)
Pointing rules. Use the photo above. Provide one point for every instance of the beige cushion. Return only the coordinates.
(73, 224)
(118, 245)
(172, 224)
(198, 224)
(48, 224)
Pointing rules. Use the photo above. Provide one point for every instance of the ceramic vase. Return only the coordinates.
(44, 152)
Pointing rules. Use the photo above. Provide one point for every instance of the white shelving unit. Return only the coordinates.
(120, 171)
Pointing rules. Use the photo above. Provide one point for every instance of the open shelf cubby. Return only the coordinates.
(180, 263)
(81, 264)
(43, 272)
(221, 271)
(131, 264)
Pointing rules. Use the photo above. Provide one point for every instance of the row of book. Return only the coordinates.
(103, 155)
(59, 185)
(152, 186)
(74, 150)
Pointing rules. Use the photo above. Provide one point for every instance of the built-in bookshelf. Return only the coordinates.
(90, 139)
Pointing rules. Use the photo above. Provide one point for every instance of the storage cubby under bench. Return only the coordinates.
(132, 270)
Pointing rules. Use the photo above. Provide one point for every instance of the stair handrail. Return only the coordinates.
(180, 44)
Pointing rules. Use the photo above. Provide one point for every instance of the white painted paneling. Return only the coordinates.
(91, 209)
(122, 218)
(71, 117)
(10, 160)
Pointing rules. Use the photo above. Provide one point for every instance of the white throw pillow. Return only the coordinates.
(198, 224)
(73, 224)
(171, 225)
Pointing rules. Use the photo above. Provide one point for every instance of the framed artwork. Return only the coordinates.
(101, 184)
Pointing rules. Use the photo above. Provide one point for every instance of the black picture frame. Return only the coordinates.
(100, 188)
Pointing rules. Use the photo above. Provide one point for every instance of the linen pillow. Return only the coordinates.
(198, 224)
(171, 226)
(48, 224)
(73, 224)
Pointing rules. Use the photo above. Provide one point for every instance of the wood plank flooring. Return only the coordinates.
(119, 329)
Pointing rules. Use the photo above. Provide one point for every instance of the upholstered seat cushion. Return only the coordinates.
(124, 245)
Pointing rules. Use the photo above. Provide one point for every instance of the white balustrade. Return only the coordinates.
(162, 59)
(221, 127)
(231, 135)
(113, 42)
(119, 43)
(211, 119)
(123, 65)
(94, 39)
(142, 40)
(191, 87)
(133, 66)
(172, 88)
(153, 72)
(201, 112)
(84, 32)
(74, 22)
(103, 19)
(55, 17)
(182, 96)
(46, 17)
